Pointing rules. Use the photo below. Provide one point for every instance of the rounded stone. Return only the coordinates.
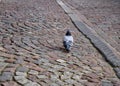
(33, 72)
(21, 74)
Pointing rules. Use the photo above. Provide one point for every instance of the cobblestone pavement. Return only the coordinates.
(103, 16)
(31, 51)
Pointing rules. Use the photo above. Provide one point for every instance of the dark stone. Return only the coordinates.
(6, 76)
(117, 70)
(106, 83)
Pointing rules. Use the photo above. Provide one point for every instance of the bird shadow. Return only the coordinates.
(58, 48)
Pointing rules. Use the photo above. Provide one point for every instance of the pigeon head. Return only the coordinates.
(68, 33)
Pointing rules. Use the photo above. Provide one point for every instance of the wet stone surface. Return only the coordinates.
(31, 50)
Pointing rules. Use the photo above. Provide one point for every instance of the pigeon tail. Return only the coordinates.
(67, 45)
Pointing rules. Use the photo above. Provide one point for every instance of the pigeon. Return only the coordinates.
(68, 41)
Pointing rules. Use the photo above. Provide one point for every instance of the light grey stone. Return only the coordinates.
(57, 67)
(76, 77)
(61, 83)
(64, 77)
(21, 74)
(54, 84)
(60, 60)
(18, 77)
(48, 64)
(32, 84)
(42, 76)
(23, 69)
(53, 77)
(43, 61)
(67, 73)
(22, 81)
(2, 64)
(70, 81)
(33, 72)
(2, 59)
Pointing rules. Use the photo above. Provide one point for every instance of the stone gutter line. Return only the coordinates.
(97, 41)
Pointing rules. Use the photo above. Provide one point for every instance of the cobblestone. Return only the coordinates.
(60, 60)
(42, 76)
(2, 59)
(54, 84)
(106, 83)
(76, 77)
(21, 74)
(32, 53)
(11, 83)
(54, 78)
(5, 77)
(32, 84)
(65, 77)
(22, 69)
(70, 81)
(33, 72)
(22, 81)
(19, 77)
